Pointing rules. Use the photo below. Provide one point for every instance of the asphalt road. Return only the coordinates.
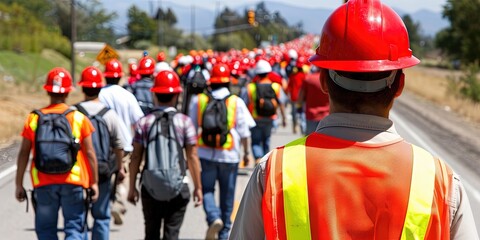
(439, 131)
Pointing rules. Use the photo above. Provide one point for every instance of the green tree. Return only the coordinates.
(414, 35)
(461, 39)
(140, 26)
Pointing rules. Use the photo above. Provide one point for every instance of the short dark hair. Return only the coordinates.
(112, 80)
(262, 75)
(91, 92)
(165, 97)
(356, 101)
(57, 95)
(215, 86)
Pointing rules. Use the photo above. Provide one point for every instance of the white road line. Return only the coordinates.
(398, 121)
(8, 171)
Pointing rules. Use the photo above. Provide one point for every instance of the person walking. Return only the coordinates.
(63, 164)
(312, 100)
(108, 142)
(141, 88)
(263, 98)
(355, 177)
(223, 121)
(157, 210)
(126, 106)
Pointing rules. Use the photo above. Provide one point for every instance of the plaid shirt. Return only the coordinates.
(186, 133)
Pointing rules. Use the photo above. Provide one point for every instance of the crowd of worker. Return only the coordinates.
(351, 177)
(130, 104)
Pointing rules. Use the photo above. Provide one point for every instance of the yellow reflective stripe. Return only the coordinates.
(202, 104)
(77, 124)
(35, 179)
(295, 190)
(231, 110)
(421, 195)
(34, 122)
(252, 89)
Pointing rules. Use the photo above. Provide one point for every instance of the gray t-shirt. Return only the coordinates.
(114, 124)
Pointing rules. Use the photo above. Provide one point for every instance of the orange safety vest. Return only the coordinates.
(252, 98)
(321, 187)
(80, 172)
(231, 103)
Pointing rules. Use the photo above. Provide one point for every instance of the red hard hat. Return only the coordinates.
(58, 81)
(161, 56)
(133, 68)
(197, 60)
(301, 61)
(113, 69)
(91, 78)
(364, 36)
(167, 81)
(220, 74)
(146, 66)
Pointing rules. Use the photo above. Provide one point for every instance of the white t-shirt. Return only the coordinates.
(125, 105)
(243, 123)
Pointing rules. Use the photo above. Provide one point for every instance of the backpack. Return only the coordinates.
(266, 102)
(197, 83)
(101, 140)
(55, 146)
(165, 166)
(214, 122)
(141, 91)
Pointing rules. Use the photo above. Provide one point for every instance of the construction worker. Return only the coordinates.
(355, 177)
(169, 213)
(141, 88)
(108, 141)
(263, 98)
(312, 101)
(126, 106)
(220, 152)
(56, 188)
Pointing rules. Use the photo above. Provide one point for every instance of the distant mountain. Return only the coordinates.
(312, 18)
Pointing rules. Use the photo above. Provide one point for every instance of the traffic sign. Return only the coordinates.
(106, 54)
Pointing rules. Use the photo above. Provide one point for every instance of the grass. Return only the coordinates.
(435, 85)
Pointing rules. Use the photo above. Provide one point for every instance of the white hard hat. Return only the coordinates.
(262, 67)
(161, 66)
(292, 54)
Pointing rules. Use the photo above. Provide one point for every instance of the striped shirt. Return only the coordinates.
(186, 133)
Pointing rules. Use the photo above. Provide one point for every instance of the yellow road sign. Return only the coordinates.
(106, 54)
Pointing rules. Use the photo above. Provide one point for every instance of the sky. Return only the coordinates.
(406, 5)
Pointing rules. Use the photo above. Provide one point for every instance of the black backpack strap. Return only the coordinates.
(103, 111)
(181, 160)
(80, 109)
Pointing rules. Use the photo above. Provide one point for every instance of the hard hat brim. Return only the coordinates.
(364, 66)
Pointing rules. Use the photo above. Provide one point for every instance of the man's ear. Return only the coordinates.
(323, 80)
(401, 85)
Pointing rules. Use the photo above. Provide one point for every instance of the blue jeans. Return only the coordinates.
(261, 134)
(49, 200)
(101, 213)
(226, 174)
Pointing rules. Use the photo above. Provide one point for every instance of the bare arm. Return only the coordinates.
(119, 153)
(22, 161)
(194, 168)
(247, 158)
(89, 150)
(134, 168)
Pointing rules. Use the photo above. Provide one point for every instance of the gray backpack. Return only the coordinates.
(165, 163)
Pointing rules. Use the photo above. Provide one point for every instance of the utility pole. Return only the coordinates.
(73, 38)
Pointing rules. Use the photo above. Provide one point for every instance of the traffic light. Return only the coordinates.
(251, 17)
